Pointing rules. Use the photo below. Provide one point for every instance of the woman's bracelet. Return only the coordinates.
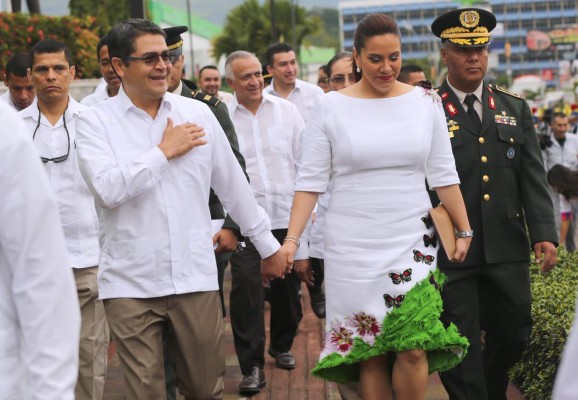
(292, 239)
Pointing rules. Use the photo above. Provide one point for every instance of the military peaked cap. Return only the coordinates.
(465, 27)
(174, 40)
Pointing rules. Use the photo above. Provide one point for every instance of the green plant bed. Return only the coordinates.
(553, 302)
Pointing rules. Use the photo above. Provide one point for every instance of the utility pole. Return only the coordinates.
(274, 38)
(137, 9)
(190, 26)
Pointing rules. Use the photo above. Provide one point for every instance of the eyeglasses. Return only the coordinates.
(151, 59)
(60, 159)
(339, 79)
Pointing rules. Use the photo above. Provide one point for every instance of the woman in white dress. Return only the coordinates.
(377, 141)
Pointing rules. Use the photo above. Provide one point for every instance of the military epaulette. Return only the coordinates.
(501, 89)
(206, 98)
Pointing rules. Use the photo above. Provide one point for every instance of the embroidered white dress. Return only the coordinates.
(379, 244)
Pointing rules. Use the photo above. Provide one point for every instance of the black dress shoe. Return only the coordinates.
(253, 382)
(283, 360)
(318, 302)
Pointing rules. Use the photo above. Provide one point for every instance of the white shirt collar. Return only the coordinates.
(462, 95)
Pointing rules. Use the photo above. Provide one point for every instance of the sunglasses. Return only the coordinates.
(60, 159)
(151, 59)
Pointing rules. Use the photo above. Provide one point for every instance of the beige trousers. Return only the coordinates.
(94, 337)
(194, 344)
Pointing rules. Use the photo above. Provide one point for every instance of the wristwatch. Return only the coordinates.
(464, 234)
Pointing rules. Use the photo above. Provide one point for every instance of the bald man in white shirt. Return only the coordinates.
(269, 132)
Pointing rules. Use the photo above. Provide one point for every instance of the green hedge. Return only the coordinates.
(19, 32)
(554, 299)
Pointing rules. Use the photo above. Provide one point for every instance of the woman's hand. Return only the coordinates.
(462, 247)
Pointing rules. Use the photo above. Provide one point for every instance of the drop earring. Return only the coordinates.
(358, 70)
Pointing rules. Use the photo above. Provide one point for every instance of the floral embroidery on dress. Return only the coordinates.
(340, 339)
(343, 333)
(428, 92)
(365, 325)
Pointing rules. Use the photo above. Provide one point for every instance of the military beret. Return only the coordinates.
(173, 38)
(465, 27)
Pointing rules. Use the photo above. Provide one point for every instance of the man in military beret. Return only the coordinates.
(504, 187)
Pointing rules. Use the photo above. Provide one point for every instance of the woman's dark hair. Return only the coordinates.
(370, 26)
(564, 180)
(339, 56)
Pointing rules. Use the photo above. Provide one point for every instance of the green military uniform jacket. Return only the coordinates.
(502, 178)
(220, 111)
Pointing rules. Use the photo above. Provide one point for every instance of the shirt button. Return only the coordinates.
(487, 197)
(511, 140)
(484, 159)
(482, 140)
(485, 178)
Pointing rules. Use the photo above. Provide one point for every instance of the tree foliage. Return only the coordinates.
(107, 12)
(329, 35)
(248, 27)
(19, 32)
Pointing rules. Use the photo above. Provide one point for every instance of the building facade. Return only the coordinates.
(516, 18)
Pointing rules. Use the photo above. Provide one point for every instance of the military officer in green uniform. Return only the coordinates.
(504, 186)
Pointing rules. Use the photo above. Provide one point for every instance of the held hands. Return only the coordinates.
(275, 266)
(279, 264)
(179, 140)
(545, 253)
(226, 241)
(462, 247)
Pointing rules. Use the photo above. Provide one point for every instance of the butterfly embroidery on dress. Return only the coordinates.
(403, 277)
(418, 256)
(427, 221)
(393, 301)
(430, 240)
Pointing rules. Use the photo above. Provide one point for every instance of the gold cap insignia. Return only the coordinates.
(469, 18)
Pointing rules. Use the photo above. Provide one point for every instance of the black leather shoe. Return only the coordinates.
(318, 302)
(253, 382)
(283, 360)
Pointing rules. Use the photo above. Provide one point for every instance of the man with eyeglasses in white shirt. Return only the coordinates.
(51, 121)
(150, 158)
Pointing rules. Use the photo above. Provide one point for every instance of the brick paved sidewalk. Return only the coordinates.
(296, 384)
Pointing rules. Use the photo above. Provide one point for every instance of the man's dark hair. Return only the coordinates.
(103, 41)
(274, 49)
(18, 65)
(207, 67)
(122, 36)
(558, 114)
(405, 70)
(49, 46)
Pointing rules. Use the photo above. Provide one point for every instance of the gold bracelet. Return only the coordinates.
(292, 239)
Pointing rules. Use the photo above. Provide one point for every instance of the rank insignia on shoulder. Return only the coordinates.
(501, 89)
(206, 98)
